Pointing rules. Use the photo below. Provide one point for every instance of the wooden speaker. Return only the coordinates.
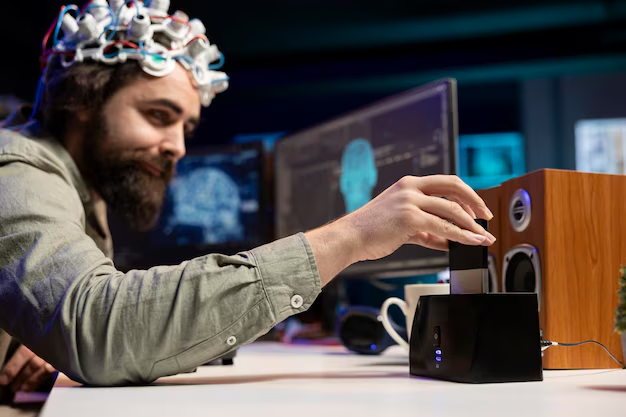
(491, 197)
(563, 236)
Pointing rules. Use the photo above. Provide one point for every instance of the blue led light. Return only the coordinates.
(438, 358)
(373, 347)
(438, 352)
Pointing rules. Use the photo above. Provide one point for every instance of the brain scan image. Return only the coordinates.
(207, 199)
(358, 174)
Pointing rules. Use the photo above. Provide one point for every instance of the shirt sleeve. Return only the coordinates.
(64, 299)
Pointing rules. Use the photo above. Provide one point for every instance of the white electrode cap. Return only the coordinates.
(99, 9)
(88, 27)
(139, 28)
(115, 31)
(160, 5)
(116, 5)
(197, 47)
(197, 27)
(181, 22)
(69, 25)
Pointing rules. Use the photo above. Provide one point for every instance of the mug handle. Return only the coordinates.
(387, 323)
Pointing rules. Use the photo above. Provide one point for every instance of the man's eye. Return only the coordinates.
(159, 116)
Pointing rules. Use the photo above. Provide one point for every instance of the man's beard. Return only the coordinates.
(130, 192)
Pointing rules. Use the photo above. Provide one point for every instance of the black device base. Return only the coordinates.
(477, 338)
(226, 360)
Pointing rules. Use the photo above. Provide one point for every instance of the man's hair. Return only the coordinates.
(84, 86)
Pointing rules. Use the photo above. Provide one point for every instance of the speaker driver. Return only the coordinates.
(521, 271)
(493, 274)
(520, 210)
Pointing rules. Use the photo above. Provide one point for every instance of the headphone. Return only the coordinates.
(360, 329)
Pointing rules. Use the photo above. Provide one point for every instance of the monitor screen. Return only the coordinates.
(215, 199)
(601, 146)
(487, 160)
(337, 167)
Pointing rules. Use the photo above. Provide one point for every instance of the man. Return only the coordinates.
(111, 133)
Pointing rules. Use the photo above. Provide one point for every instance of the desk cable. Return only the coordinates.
(545, 344)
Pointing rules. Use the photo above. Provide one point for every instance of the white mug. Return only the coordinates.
(412, 294)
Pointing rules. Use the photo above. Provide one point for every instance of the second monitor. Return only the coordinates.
(216, 201)
(337, 167)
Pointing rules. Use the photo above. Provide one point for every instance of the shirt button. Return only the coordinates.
(297, 301)
(231, 340)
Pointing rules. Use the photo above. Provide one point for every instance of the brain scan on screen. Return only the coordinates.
(208, 199)
(358, 174)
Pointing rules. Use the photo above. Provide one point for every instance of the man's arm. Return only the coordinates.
(409, 212)
(66, 301)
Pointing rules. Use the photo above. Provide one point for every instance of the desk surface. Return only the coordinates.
(272, 380)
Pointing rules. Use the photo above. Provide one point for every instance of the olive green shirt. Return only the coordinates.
(61, 295)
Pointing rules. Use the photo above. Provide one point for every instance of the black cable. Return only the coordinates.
(548, 343)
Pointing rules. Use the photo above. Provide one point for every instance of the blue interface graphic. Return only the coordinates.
(487, 160)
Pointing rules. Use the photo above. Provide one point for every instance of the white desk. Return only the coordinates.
(278, 380)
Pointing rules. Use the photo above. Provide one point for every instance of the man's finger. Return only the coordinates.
(17, 382)
(453, 187)
(443, 228)
(429, 241)
(13, 367)
(34, 365)
(467, 209)
(34, 380)
(452, 211)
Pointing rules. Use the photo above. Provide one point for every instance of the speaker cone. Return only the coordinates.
(520, 276)
(493, 274)
(521, 271)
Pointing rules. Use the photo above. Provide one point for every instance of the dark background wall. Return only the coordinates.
(552, 106)
(293, 64)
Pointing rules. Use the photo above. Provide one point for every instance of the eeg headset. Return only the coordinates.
(115, 31)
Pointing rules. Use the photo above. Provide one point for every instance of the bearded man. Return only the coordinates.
(117, 102)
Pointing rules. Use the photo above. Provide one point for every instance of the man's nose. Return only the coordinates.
(173, 146)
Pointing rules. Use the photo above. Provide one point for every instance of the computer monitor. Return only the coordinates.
(215, 201)
(601, 146)
(338, 166)
(487, 160)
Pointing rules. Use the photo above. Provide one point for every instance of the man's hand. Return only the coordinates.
(25, 371)
(411, 211)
